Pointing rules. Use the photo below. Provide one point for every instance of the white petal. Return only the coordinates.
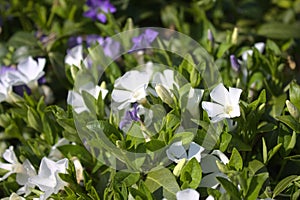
(74, 56)
(246, 54)
(234, 95)
(6, 166)
(220, 94)
(221, 155)
(121, 95)
(219, 118)
(31, 69)
(212, 109)
(176, 152)
(132, 80)
(187, 194)
(210, 180)
(195, 151)
(235, 111)
(208, 164)
(260, 46)
(6, 175)
(29, 171)
(10, 156)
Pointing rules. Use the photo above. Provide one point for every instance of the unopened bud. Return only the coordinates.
(164, 95)
(293, 110)
(235, 65)
(234, 36)
(178, 167)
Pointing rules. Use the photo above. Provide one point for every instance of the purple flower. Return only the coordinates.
(111, 47)
(130, 115)
(20, 89)
(98, 8)
(210, 36)
(144, 40)
(93, 39)
(74, 41)
(234, 63)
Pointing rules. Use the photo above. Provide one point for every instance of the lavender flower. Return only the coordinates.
(144, 40)
(130, 115)
(210, 36)
(235, 63)
(98, 8)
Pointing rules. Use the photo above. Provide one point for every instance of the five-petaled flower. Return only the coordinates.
(130, 88)
(48, 179)
(130, 115)
(24, 171)
(144, 40)
(227, 103)
(97, 8)
(176, 152)
(28, 72)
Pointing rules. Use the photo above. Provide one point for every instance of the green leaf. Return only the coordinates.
(236, 161)
(162, 178)
(273, 151)
(191, 174)
(230, 188)
(34, 120)
(154, 144)
(279, 30)
(225, 140)
(223, 48)
(295, 94)
(256, 185)
(127, 178)
(23, 38)
(290, 121)
(261, 99)
(283, 184)
(265, 151)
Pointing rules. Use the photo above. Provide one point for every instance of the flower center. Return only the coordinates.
(139, 94)
(228, 109)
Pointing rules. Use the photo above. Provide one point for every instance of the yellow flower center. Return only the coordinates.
(228, 109)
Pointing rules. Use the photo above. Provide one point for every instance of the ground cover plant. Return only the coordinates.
(184, 100)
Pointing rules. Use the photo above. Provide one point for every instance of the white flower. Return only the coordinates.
(13, 196)
(166, 79)
(13, 165)
(210, 168)
(130, 88)
(3, 91)
(28, 71)
(54, 153)
(176, 152)
(260, 46)
(48, 179)
(227, 103)
(24, 171)
(187, 194)
(74, 56)
(76, 101)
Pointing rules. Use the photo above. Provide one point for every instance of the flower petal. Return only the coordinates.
(208, 164)
(176, 152)
(234, 95)
(220, 94)
(195, 151)
(212, 109)
(187, 194)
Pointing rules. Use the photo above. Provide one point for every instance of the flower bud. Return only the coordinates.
(235, 65)
(164, 95)
(178, 167)
(292, 110)
(234, 36)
